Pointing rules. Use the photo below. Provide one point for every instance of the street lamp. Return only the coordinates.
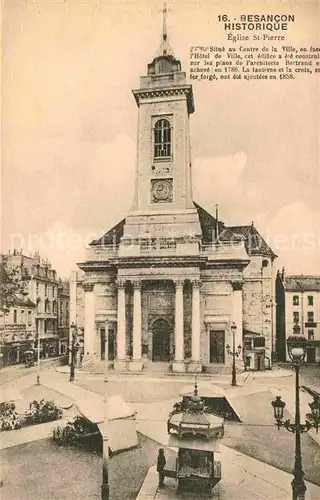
(297, 349)
(38, 359)
(73, 347)
(234, 353)
(105, 440)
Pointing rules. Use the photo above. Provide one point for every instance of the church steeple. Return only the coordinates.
(163, 203)
(164, 63)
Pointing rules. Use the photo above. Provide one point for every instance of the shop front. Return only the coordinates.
(254, 352)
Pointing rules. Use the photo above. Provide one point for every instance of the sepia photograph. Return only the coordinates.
(160, 250)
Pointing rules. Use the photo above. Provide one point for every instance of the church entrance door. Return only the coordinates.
(160, 340)
(103, 345)
(216, 346)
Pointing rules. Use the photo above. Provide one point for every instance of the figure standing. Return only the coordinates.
(161, 462)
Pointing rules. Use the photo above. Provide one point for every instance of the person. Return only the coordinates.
(161, 462)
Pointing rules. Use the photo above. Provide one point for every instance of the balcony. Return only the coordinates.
(163, 247)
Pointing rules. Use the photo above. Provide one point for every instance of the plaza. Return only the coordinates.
(253, 448)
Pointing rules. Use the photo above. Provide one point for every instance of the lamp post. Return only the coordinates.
(297, 349)
(234, 353)
(38, 360)
(73, 328)
(105, 440)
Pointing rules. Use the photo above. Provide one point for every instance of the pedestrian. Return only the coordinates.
(161, 462)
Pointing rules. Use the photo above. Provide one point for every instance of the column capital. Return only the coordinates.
(88, 287)
(136, 283)
(178, 283)
(196, 283)
(120, 283)
(237, 285)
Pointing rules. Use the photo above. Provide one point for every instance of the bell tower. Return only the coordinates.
(163, 205)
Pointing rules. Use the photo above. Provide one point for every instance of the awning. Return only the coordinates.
(121, 427)
(122, 434)
(94, 410)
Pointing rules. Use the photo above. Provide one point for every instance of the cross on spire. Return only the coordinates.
(165, 48)
(164, 30)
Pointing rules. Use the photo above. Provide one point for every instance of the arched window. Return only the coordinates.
(162, 138)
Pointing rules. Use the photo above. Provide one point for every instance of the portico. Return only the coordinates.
(152, 337)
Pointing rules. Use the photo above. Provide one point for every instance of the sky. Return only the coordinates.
(69, 125)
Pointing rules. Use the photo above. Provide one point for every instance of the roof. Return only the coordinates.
(196, 418)
(208, 224)
(113, 236)
(302, 283)
(23, 302)
(93, 408)
(255, 244)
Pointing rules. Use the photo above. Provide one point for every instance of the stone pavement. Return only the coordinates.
(247, 478)
(243, 478)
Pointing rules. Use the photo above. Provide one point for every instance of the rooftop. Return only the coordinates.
(302, 283)
(254, 242)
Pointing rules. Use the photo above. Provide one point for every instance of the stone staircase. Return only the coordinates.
(156, 367)
(95, 366)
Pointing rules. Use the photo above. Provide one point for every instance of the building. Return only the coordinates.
(17, 329)
(168, 280)
(298, 304)
(41, 294)
(63, 315)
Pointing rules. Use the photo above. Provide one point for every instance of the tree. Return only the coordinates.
(10, 284)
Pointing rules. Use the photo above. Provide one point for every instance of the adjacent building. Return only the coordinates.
(167, 282)
(35, 311)
(298, 304)
(63, 315)
(17, 329)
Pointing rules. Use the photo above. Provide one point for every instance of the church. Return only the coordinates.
(171, 285)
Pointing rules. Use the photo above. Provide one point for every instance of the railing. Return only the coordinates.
(162, 247)
(101, 253)
(224, 250)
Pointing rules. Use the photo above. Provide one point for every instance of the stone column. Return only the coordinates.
(195, 365)
(120, 363)
(178, 363)
(237, 316)
(89, 320)
(98, 342)
(136, 363)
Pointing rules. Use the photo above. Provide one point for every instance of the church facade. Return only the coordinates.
(168, 281)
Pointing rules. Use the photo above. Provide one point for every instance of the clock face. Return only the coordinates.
(161, 190)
